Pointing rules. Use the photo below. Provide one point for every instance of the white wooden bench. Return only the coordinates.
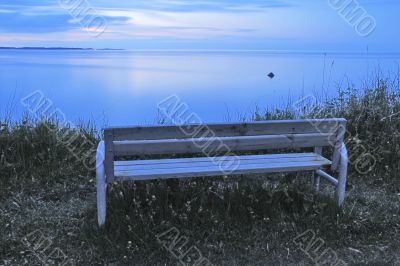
(226, 140)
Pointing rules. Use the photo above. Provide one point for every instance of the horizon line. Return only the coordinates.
(277, 51)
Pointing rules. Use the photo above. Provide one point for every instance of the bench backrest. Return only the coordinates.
(221, 138)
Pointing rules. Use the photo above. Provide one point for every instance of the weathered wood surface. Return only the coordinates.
(222, 144)
(193, 167)
(227, 129)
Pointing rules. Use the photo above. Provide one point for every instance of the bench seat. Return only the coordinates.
(199, 167)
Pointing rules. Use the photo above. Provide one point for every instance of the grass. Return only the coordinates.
(232, 221)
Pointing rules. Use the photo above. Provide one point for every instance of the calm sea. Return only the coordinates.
(124, 87)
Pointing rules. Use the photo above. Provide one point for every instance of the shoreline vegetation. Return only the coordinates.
(231, 221)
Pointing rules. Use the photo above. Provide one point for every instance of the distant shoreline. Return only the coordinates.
(248, 52)
(58, 48)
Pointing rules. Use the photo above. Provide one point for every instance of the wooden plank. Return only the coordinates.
(219, 145)
(190, 166)
(206, 164)
(207, 159)
(214, 170)
(275, 127)
(109, 155)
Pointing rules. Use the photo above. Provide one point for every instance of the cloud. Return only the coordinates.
(12, 22)
(48, 16)
(208, 23)
(198, 5)
(44, 19)
(166, 5)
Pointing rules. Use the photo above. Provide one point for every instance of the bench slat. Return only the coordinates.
(193, 165)
(208, 159)
(195, 168)
(221, 145)
(227, 129)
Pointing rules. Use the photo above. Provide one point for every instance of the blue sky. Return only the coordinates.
(198, 24)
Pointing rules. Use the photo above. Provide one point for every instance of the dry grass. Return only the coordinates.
(249, 226)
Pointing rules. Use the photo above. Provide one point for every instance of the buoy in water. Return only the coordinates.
(271, 75)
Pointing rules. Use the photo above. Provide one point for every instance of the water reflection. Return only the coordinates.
(124, 87)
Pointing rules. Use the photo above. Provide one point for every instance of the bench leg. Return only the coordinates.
(317, 178)
(316, 182)
(101, 184)
(341, 187)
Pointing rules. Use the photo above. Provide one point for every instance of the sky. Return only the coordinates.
(311, 25)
